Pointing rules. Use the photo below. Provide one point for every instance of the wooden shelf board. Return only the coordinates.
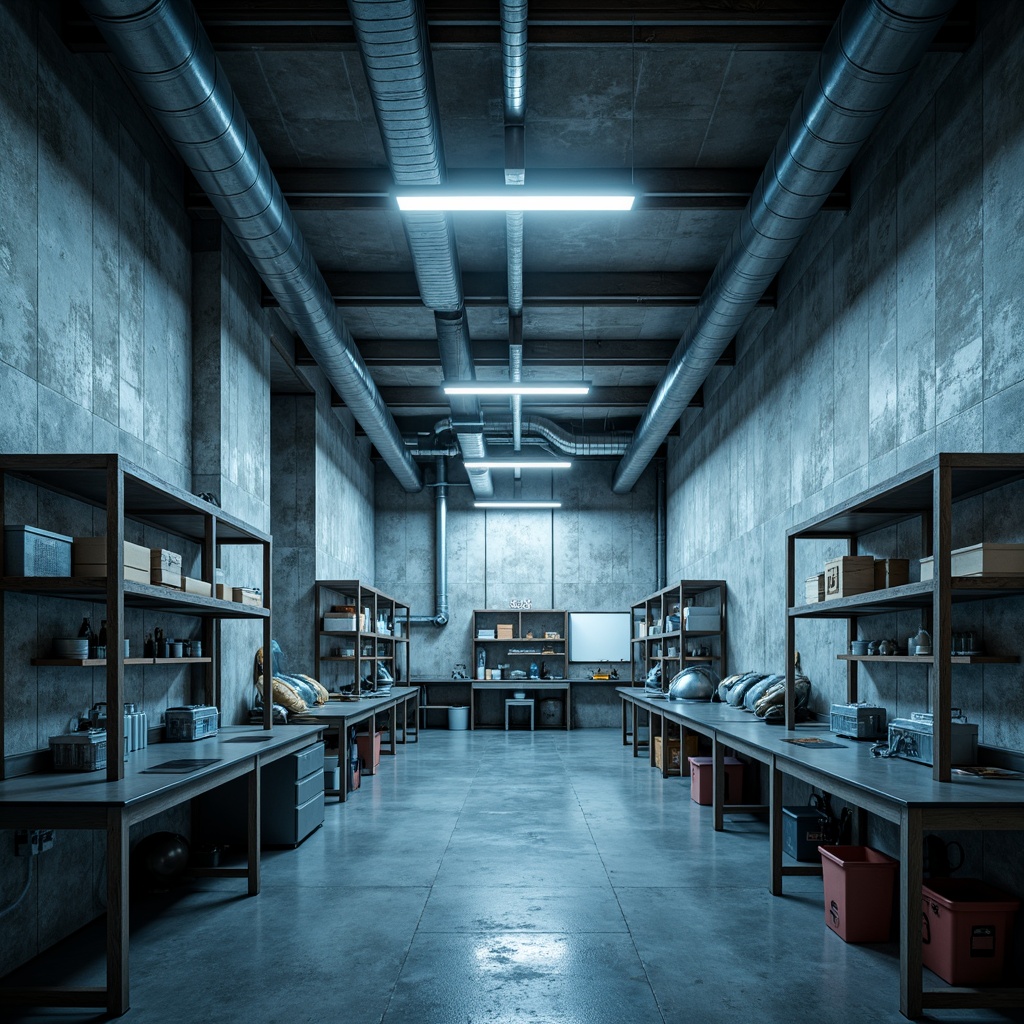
(101, 662)
(910, 595)
(922, 659)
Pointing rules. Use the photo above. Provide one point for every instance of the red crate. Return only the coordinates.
(859, 885)
(702, 786)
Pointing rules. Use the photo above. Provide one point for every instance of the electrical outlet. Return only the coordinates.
(29, 842)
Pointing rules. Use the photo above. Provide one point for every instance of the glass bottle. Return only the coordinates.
(85, 630)
(102, 641)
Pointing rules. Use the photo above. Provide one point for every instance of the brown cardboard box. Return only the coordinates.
(201, 587)
(244, 595)
(165, 568)
(849, 575)
(89, 558)
(675, 750)
(224, 592)
(504, 631)
(891, 572)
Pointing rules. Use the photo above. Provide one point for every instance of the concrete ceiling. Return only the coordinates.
(684, 100)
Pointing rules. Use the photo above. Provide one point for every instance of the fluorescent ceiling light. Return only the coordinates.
(517, 504)
(517, 463)
(512, 199)
(525, 387)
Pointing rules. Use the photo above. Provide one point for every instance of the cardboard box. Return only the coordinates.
(245, 595)
(981, 560)
(363, 746)
(200, 587)
(504, 630)
(814, 588)
(89, 558)
(29, 551)
(676, 751)
(849, 575)
(223, 592)
(165, 568)
(335, 622)
(891, 572)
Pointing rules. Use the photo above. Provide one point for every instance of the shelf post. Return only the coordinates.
(115, 619)
(942, 620)
(790, 634)
(268, 633)
(209, 564)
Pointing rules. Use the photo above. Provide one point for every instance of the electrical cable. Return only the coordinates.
(23, 894)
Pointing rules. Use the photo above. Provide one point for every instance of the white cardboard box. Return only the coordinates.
(980, 560)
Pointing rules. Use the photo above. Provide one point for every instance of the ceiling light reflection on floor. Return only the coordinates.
(504, 951)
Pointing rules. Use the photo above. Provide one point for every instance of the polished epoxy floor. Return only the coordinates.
(503, 878)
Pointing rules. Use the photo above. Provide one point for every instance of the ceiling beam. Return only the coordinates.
(775, 24)
(596, 290)
(658, 188)
(549, 353)
(423, 398)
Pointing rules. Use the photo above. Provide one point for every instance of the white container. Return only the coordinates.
(980, 560)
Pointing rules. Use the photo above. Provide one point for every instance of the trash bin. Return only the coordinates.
(964, 928)
(552, 713)
(858, 892)
(458, 718)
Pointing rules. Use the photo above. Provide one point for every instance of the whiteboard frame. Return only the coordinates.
(601, 637)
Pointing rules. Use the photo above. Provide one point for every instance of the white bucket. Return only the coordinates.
(458, 718)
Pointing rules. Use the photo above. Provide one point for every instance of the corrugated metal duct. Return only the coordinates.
(395, 51)
(867, 58)
(168, 57)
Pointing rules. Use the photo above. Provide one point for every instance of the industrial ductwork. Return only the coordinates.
(611, 443)
(168, 57)
(441, 614)
(867, 58)
(395, 51)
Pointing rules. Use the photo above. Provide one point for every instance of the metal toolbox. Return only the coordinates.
(84, 751)
(911, 738)
(191, 723)
(858, 721)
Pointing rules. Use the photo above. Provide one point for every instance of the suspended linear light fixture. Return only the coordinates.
(522, 387)
(517, 504)
(517, 462)
(512, 200)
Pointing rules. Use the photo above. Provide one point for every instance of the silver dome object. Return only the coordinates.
(695, 682)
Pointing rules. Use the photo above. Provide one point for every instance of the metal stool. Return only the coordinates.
(519, 702)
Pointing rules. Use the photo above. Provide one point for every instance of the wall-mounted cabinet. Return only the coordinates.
(362, 637)
(126, 492)
(679, 625)
(927, 494)
(511, 641)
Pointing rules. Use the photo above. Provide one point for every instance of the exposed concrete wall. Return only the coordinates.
(596, 553)
(897, 335)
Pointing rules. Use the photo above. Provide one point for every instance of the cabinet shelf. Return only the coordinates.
(519, 647)
(926, 493)
(922, 659)
(101, 662)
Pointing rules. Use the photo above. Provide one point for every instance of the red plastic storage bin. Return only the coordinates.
(964, 928)
(363, 745)
(702, 784)
(859, 884)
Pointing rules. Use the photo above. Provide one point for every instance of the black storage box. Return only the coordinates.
(803, 830)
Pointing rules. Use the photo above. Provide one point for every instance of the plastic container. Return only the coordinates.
(363, 746)
(965, 924)
(458, 718)
(859, 885)
(702, 780)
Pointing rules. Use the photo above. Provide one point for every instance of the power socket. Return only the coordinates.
(29, 842)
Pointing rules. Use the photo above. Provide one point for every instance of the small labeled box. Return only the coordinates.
(89, 558)
(814, 588)
(223, 592)
(246, 595)
(191, 722)
(165, 568)
(849, 575)
(505, 631)
(29, 551)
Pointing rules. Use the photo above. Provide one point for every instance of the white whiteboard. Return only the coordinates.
(599, 636)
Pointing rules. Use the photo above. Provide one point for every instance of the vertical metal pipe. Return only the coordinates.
(441, 545)
(660, 532)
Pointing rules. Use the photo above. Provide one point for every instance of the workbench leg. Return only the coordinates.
(656, 722)
(625, 733)
(255, 832)
(393, 729)
(117, 914)
(344, 754)
(371, 768)
(636, 731)
(911, 878)
(775, 828)
(718, 780)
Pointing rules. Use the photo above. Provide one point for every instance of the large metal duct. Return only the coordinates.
(168, 57)
(441, 613)
(611, 443)
(395, 51)
(867, 58)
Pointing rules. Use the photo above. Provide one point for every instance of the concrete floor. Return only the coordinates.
(501, 877)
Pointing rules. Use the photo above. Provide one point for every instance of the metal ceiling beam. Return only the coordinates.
(658, 188)
(557, 289)
(626, 397)
(782, 25)
(549, 353)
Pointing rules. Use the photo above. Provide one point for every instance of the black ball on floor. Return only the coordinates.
(159, 859)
